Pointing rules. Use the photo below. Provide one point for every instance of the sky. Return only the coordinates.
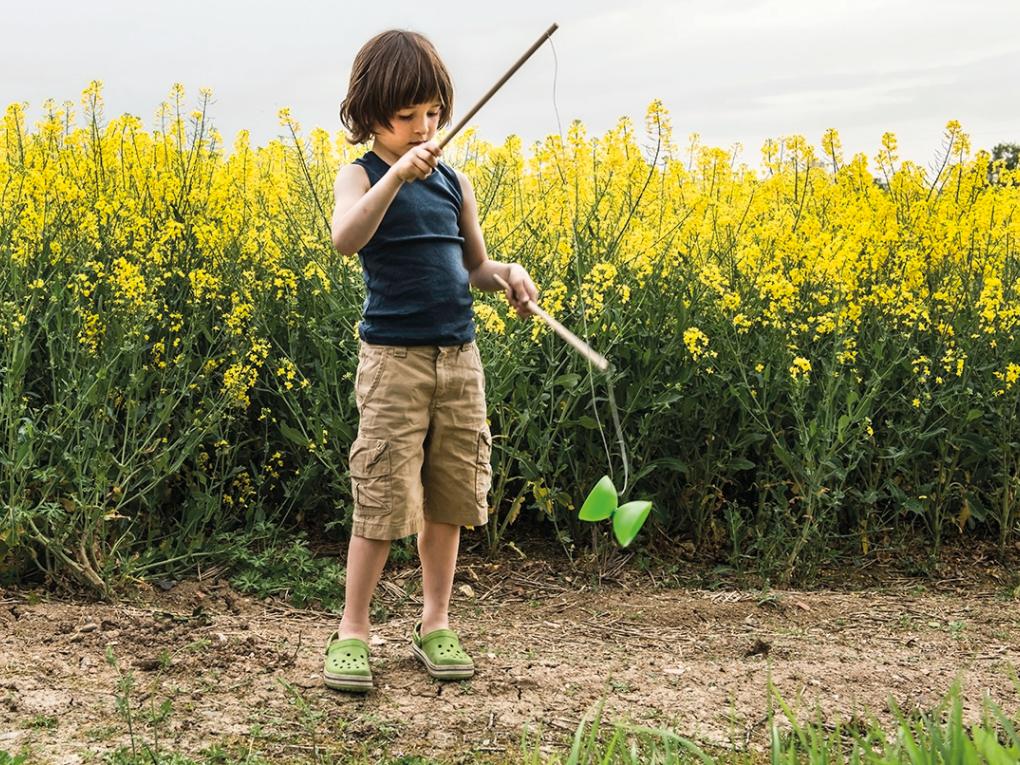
(734, 71)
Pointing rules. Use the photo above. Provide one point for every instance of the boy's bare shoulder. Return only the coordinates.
(466, 190)
(351, 178)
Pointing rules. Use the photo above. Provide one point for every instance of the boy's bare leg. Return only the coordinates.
(437, 548)
(366, 559)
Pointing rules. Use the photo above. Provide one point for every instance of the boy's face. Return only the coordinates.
(409, 126)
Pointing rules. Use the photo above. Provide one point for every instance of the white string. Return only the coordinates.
(584, 321)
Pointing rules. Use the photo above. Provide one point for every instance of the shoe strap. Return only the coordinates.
(439, 634)
(334, 644)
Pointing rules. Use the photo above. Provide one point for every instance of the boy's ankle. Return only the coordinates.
(344, 632)
(434, 624)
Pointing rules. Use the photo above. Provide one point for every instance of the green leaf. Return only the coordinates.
(293, 435)
(601, 501)
(645, 470)
(914, 506)
(753, 437)
(587, 422)
(667, 399)
(673, 464)
(987, 745)
(628, 520)
(785, 457)
(568, 380)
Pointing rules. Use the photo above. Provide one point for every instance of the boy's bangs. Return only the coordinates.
(415, 81)
(394, 70)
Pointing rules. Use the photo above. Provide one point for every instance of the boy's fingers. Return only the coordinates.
(525, 292)
(424, 152)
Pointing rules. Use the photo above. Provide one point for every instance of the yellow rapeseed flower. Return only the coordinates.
(490, 318)
(800, 367)
(696, 342)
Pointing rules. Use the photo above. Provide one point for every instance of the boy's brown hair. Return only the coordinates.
(393, 70)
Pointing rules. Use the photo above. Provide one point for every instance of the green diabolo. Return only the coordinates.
(601, 503)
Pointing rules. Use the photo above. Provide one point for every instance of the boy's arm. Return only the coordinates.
(476, 261)
(359, 206)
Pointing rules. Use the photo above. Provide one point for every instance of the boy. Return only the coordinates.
(420, 462)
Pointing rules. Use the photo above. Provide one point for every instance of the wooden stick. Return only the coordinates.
(498, 85)
(582, 347)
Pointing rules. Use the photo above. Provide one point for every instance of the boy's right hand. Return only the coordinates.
(418, 163)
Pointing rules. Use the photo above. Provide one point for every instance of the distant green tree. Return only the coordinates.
(1009, 154)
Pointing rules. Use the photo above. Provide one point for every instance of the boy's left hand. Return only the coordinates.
(521, 290)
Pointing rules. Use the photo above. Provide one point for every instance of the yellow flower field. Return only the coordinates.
(808, 348)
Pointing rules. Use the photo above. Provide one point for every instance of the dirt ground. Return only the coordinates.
(549, 642)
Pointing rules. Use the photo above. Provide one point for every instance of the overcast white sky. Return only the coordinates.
(741, 70)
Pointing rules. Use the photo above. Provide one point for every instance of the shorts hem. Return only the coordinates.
(461, 520)
(384, 531)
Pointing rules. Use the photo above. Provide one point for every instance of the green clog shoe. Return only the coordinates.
(441, 654)
(346, 666)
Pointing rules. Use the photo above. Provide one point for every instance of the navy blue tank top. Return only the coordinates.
(417, 286)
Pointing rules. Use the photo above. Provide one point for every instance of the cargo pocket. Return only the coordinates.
(370, 476)
(483, 468)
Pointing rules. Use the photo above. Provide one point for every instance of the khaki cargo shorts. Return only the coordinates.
(423, 447)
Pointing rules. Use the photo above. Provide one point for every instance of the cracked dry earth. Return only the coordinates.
(245, 674)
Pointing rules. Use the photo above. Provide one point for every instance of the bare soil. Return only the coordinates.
(549, 641)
